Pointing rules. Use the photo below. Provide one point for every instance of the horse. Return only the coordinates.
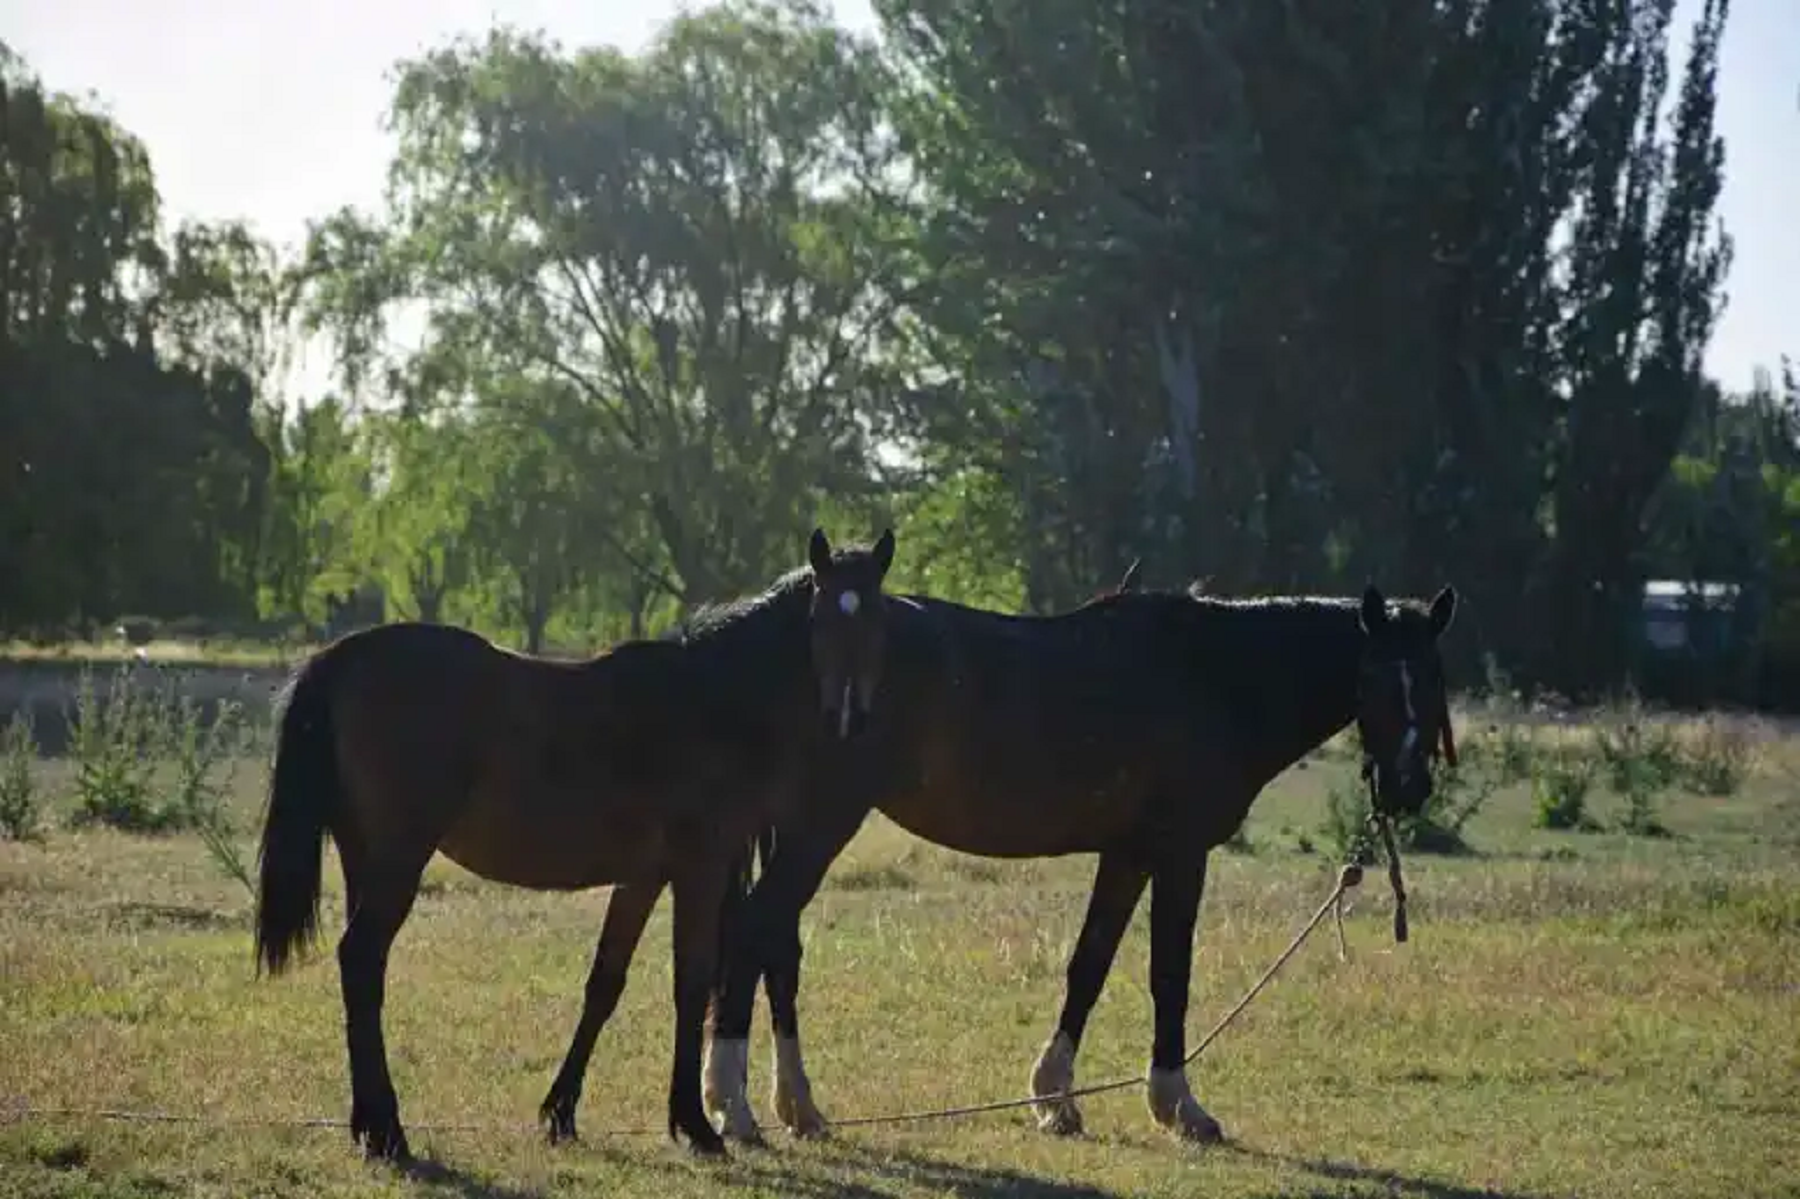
(1141, 727)
(647, 765)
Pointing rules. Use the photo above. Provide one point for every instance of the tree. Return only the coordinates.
(1646, 270)
(691, 244)
(424, 515)
(129, 481)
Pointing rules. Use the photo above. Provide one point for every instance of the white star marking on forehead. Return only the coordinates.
(849, 602)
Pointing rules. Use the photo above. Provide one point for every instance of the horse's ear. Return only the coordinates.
(883, 552)
(1131, 574)
(818, 552)
(1443, 610)
(1374, 609)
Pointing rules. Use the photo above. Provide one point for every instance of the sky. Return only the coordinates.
(271, 112)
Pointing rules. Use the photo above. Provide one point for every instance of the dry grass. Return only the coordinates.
(1586, 1014)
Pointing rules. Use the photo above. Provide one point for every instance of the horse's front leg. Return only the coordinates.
(1118, 884)
(790, 1089)
(627, 911)
(766, 943)
(1174, 909)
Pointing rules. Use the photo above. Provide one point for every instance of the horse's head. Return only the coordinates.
(848, 626)
(1402, 704)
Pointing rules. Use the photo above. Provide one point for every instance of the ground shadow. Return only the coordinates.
(152, 916)
(955, 1178)
(1395, 1182)
(435, 1172)
(885, 1173)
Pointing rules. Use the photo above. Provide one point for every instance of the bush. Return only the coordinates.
(1513, 751)
(1559, 789)
(205, 758)
(19, 815)
(1639, 754)
(122, 740)
(1347, 821)
(114, 742)
(1718, 757)
(1641, 758)
(1437, 828)
(1460, 793)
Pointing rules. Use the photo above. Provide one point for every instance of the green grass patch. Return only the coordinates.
(1600, 1013)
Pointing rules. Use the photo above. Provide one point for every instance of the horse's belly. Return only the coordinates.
(1017, 814)
(548, 851)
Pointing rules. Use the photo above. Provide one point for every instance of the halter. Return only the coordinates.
(1382, 823)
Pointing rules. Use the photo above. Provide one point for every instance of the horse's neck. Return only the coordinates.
(770, 642)
(1322, 710)
(1300, 693)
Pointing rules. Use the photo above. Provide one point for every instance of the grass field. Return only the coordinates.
(1588, 1013)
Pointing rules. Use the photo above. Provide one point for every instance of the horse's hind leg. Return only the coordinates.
(699, 895)
(1118, 885)
(1174, 910)
(627, 911)
(384, 898)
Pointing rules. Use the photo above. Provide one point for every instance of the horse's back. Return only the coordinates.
(1022, 736)
(412, 706)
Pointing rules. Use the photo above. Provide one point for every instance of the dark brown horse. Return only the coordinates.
(649, 765)
(1140, 727)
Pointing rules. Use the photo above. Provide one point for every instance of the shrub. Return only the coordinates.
(19, 815)
(1641, 758)
(113, 740)
(205, 759)
(1436, 829)
(1718, 757)
(1559, 789)
(1513, 751)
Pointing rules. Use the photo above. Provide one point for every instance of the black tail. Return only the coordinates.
(737, 893)
(303, 795)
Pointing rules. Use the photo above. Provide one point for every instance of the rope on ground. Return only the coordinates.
(19, 1111)
(1349, 877)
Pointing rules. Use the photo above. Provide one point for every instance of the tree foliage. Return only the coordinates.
(1282, 296)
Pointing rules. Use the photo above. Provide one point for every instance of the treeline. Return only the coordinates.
(1281, 296)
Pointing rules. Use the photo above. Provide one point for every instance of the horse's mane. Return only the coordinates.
(1404, 608)
(1228, 624)
(708, 620)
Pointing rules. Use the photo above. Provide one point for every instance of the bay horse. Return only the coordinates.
(649, 765)
(1140, 727)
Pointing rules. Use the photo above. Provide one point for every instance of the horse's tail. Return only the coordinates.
(744, 870)
(306, 790)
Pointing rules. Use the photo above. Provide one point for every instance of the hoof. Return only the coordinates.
(791, 1094)
(1060, 1119)
(558, 1118)
(384, 1143)
(708, 1144)
(1054, 1073)
(724, 1073)
(376, 1127)
(800, 1115)
(1174, 1107)
(1195, 1127)
(738, 1123)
